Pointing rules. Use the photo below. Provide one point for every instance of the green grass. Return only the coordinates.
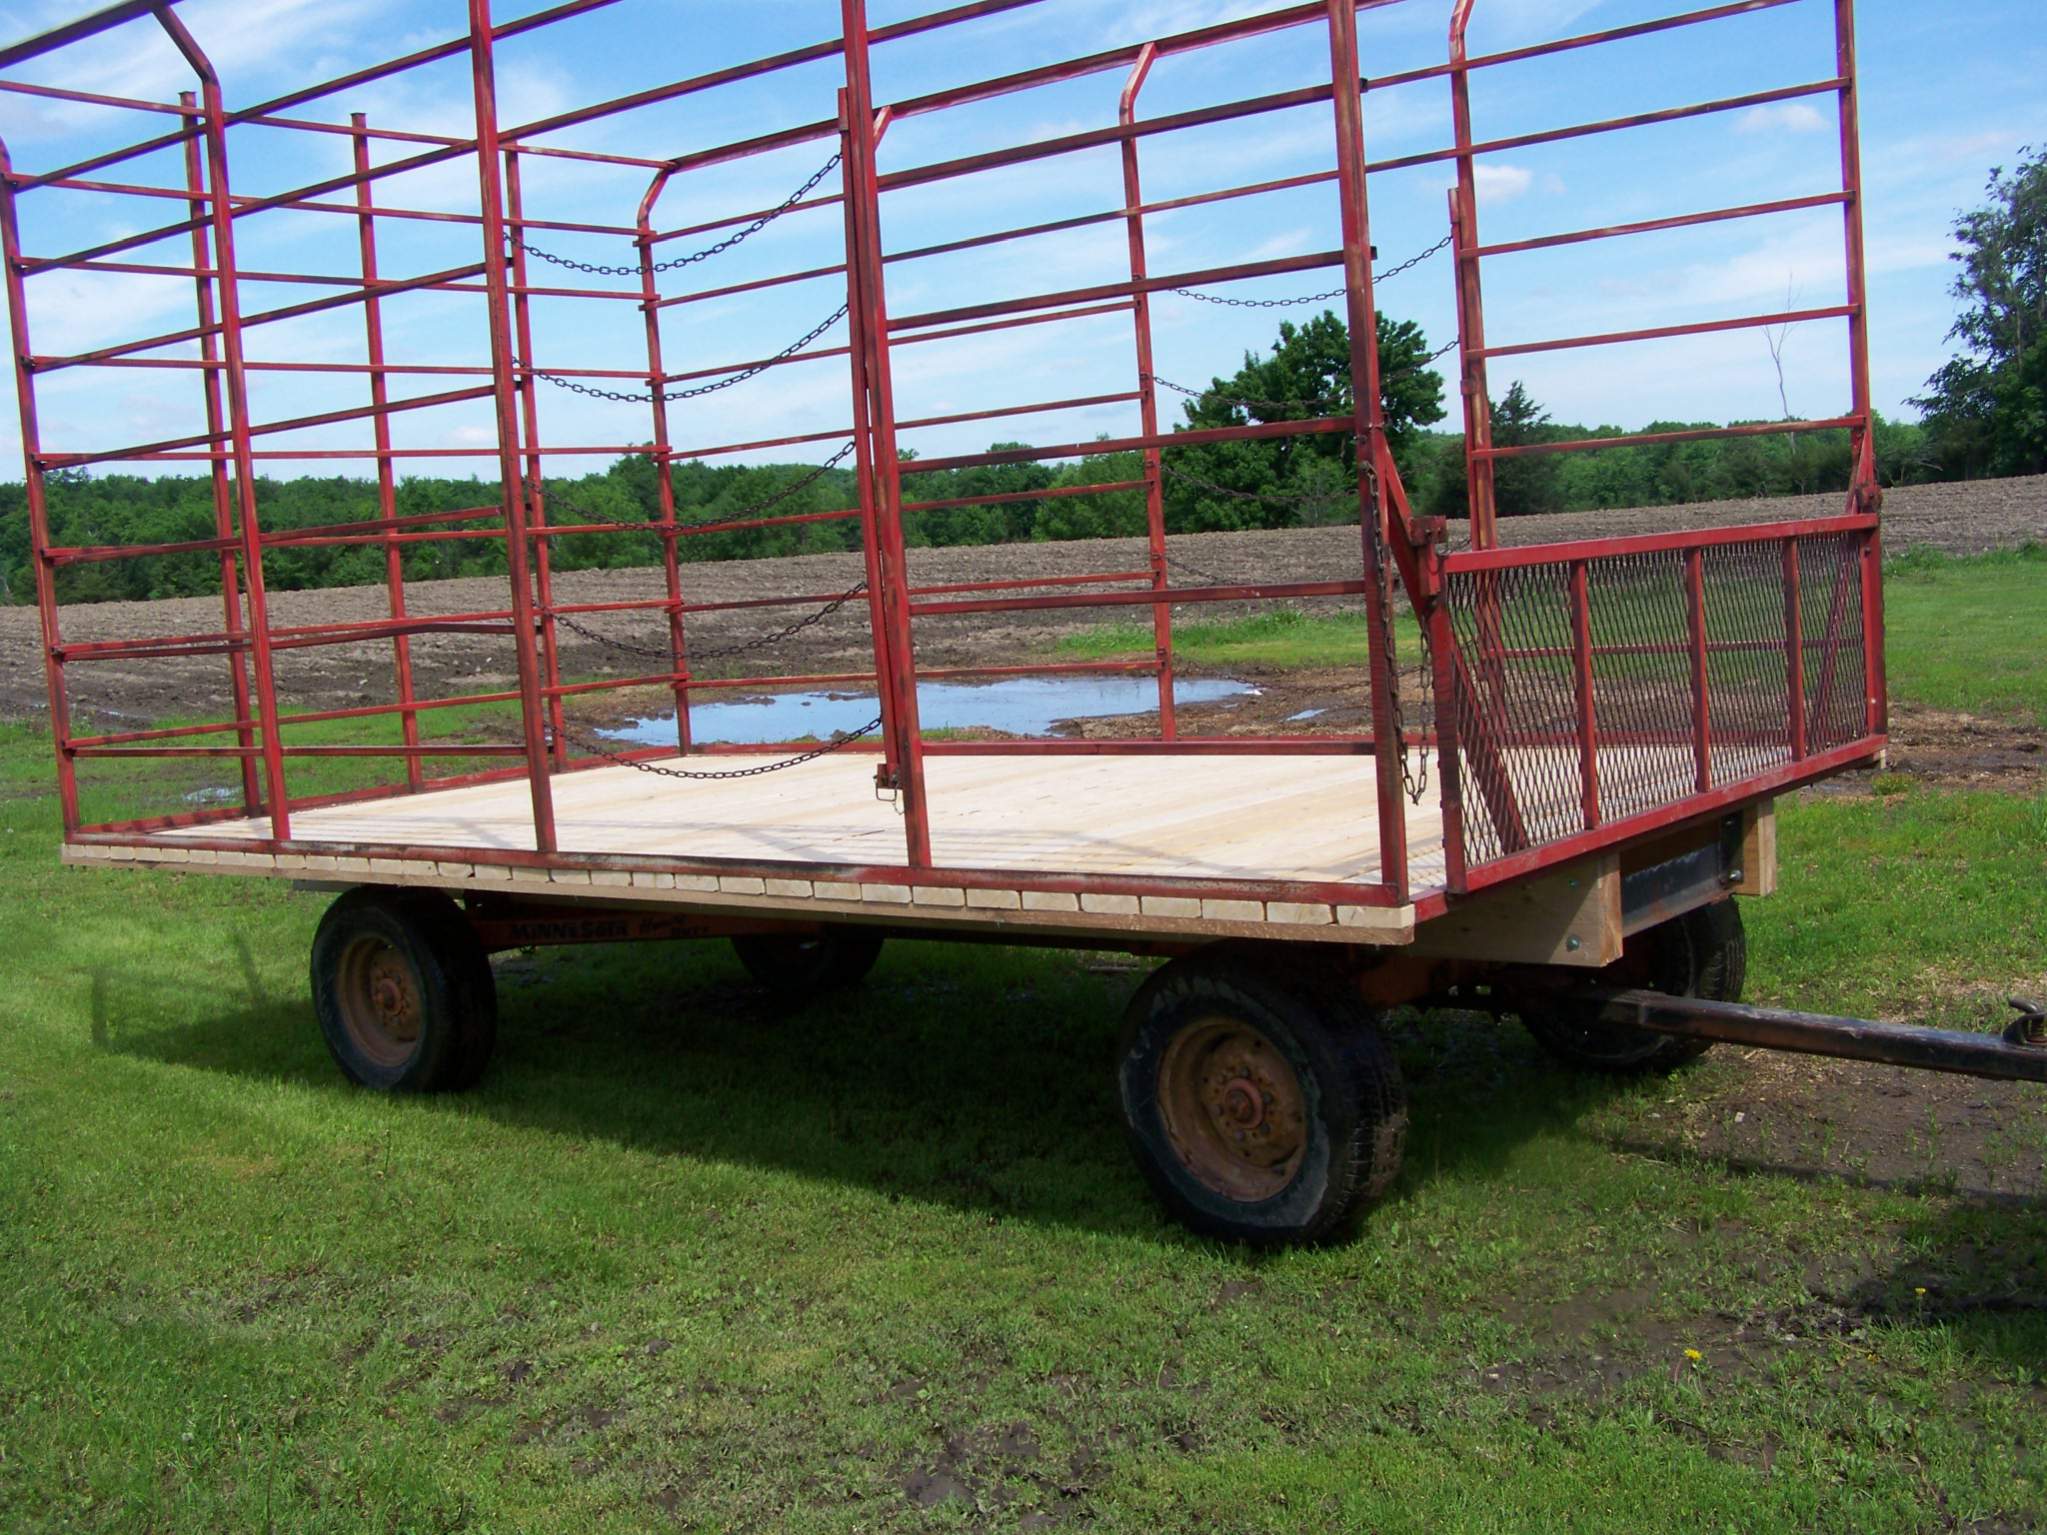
(1280, 637)
(690, 1260)
(1965, 634)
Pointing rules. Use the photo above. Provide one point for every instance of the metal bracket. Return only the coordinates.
(2030, 1027)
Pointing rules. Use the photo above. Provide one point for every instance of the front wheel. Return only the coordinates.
(403, 991)
(1258, 1112)
(1704, 953)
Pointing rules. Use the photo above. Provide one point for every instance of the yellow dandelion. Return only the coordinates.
(1694, 1355)
(1919, 1289)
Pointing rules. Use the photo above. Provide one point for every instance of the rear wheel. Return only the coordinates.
(800, 966)
(1257, 1110)
(403, 991)
(1704, 953)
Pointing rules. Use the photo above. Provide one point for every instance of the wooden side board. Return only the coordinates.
(981, 908)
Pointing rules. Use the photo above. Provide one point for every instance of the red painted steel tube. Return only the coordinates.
(219, 189)
(1147, 390)
(1666, 332)
(387, 485)
(1867, 494)
(224, 540)
(38, 504)
(1587, 698)
(1616, 124)
(664, 479)
(491, 201)
(1702, 708)
(271, 428)
(1696, 807)
(536, 484)
(1277, 266)
(858, 355)
(1258, 592)
(1465, 246)
(1008, 497)
(1690, 434)
(1652, 226)
(864, 258)
(1086, 311)
(1103, 446)
(1643, 543)
(1374, 513)
(1794, 652)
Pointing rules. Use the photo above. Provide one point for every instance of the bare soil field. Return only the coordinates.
(1961, 519)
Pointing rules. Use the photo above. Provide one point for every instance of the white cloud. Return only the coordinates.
(1781, 117)
(1502, 183)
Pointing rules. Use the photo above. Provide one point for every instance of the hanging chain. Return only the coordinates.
(630, 397)
(1248, 399)
(599, 269)
(837, 743)
(1313, 298)
(1414, 771)
(744, 647)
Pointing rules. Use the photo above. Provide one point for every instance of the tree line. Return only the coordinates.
(1985, 414)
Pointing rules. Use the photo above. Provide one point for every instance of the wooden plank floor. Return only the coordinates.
(1299, 817)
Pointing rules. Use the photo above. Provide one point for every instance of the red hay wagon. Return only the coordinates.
(1546, 817)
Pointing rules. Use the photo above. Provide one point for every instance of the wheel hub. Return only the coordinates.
(1233, 1108)
(379, 1001)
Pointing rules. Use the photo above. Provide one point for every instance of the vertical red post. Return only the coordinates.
(38, 506)
(536, 474)
(1588, 721)
(221, 200)
(863, 198)
(1447, 678)
(223, 511)
(1478, 411)
(1389, 751)
(1867, 494)
(890, 771)
(1794, 651)
(1147, 391)
(1702, 709)
(387, 489)
(664, 481)
(490, 197)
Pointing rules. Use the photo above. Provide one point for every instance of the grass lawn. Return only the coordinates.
(690, 1260)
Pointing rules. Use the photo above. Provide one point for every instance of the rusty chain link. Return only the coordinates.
(599, 269)
(629, 397)
(744, 647)
(1312, 298)
(838, 742)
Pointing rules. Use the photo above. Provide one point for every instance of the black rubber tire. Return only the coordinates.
(1704, 953)
(1354, 1101)
(795, 967)
(426, 938)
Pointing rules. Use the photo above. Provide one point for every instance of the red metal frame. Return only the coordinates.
(1526, 658)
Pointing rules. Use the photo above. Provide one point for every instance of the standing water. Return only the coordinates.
(1025, 706)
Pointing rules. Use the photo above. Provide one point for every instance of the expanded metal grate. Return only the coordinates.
(1596, 689)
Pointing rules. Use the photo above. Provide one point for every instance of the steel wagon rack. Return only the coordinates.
(1598, 728)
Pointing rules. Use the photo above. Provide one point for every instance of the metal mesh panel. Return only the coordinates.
(1658, 636)
(1830, 607)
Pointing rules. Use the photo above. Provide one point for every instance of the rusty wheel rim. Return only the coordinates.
(1233, 1108)
(378, 997)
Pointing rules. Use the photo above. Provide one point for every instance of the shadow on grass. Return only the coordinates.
(976, 1077)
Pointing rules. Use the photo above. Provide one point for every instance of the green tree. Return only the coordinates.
(1986, 408)
(1287, 481)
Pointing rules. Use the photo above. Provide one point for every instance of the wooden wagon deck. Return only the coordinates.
(1305, 818)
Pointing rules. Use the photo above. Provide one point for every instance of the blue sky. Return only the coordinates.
(1948, 92)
